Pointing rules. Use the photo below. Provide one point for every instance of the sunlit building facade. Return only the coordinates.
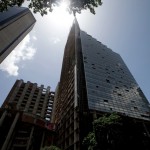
(25, 117)
(94, 80)
(15, 24)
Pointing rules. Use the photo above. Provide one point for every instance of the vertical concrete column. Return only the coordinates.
(75, 87)
(3, 117)
(43, 136)
(38, 99)
(76, 125)
(30, 96)
(30, 138)
(94, 115)
(146, 129)
(22, 94)
(45, 103)
(10, 132)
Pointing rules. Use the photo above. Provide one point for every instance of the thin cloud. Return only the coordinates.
(24, 51)
(55, 40)
(34, 38)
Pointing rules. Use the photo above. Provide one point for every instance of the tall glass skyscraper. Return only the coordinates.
(15, 24)
(94, 80)
(109, 84)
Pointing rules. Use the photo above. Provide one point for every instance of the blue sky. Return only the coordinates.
(124, 26)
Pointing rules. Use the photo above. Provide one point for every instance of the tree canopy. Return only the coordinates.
(52, 147)
(115, 132)
(104, 128)
(43, 6)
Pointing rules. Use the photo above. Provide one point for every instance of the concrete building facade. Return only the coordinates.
(94, 81)
(15, 24)
(25, 117)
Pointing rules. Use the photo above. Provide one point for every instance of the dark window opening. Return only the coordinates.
(105, 100)
(108, 81)
(135, 108)
(145, 116)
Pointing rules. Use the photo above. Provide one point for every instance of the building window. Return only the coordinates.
(108, 81)
(105, 100)
(135, 108)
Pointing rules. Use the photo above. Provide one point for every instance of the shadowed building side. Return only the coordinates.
(15, 24)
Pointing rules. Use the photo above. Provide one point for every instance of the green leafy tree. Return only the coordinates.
(52, 147)
(115, 132)
(90, 141)
(43, 6)
(105, 132)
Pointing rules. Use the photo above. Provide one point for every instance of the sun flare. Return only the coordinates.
(61, 15)
(64, 5)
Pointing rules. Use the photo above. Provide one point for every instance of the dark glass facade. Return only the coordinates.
(94, 81)
(15, 24)
(109, 83)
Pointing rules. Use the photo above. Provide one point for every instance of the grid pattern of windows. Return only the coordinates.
(31, 98)
(110, 85)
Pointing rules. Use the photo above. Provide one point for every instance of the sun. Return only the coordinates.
(61, 15)
(63, 5)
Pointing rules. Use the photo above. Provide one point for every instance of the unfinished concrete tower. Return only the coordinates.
(25, 117)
